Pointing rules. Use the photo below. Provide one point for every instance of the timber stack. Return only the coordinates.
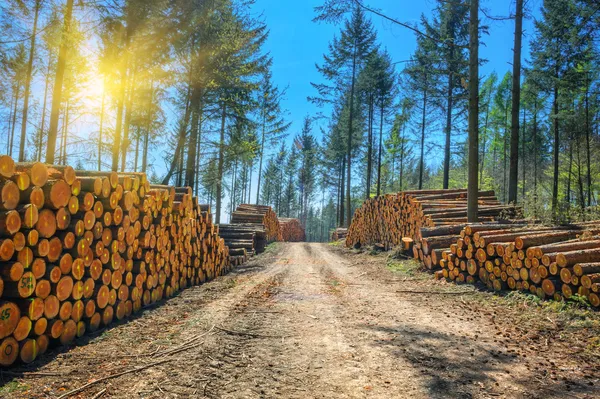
(393, 220)
(548, 261)
(241, 240)
(81, 249)
(339, 234)
(260, 219)
(291, 230)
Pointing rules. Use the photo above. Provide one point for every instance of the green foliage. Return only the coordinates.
(12, 387)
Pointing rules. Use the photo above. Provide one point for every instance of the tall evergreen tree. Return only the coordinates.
(272, 124)
(347, 53)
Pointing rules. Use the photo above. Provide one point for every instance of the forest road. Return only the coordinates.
(306, 321)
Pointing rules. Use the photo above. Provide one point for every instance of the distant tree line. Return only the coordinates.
(183, 90)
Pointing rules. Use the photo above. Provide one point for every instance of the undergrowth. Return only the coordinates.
(13, 386)
(271, 248)
(572, 313)
(406, 267)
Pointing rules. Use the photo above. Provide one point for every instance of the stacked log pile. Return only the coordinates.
(81, 249)
(430, 242)
(291, 230)
(550, 262)
(259, 219)
(242, 240)
(259, 215)
(396, 219)
(339, 234)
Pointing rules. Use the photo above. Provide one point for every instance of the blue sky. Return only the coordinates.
(296, 43)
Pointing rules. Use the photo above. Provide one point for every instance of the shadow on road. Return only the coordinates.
(453, 366)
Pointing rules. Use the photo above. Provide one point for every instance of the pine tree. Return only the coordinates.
(516, 98)
(341, 66)
(559, 45)
(420, 80)
(308, 148)
(449, 29)
(58, 83)
(272, 125)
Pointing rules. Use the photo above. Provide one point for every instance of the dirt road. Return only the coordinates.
(305, 321)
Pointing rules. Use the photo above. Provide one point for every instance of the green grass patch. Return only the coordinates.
(230, 283)
(408, 267)
(272, 248)
(13, 386)
(573, 313)
(336, 243)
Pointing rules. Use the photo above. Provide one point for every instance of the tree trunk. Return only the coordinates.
(43, 123)
(516, 102)
(63, 150)
(119, 124)
(196, 173)
(473, 185)
(349, 149)
(369, 148)
(587, 144)
(14, 120)
(38, 4)
(233, 187)
(556, 148)
(10, 118)
(504, 156)
(535, 112)
(402, 156)
(260, 162)
(101, 126)
(128, 112)
(570, 173)
(250, 180)
(485, 127)
(190, 170)
(380, 149)
(339, 188)
(322, 239)
(181, 140)
(342, 195)
(137, 149)
(279, 190)
(448, 127)
(523, 154)
(421, 160)
(220, 165)
(180, 156)
(145, 151)
(58, 83)
(580, 179)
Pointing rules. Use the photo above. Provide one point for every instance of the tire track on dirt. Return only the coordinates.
(453, 350)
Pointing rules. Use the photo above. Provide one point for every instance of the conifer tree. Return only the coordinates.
(340, 68)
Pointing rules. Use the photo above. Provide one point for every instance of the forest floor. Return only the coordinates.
(318, 321)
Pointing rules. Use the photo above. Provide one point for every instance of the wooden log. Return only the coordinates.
(9, 195)
(586, 268)
(7, 166)
(545, 238)
(9, 347)
(37, 172)
(565, 259)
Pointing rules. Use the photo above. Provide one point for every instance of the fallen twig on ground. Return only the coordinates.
(185, 345)
(436, 292)
(248, 333)
(99, 394)
(33, 373)
(108, 377)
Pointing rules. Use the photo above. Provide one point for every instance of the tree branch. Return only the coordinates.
(405, 25)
